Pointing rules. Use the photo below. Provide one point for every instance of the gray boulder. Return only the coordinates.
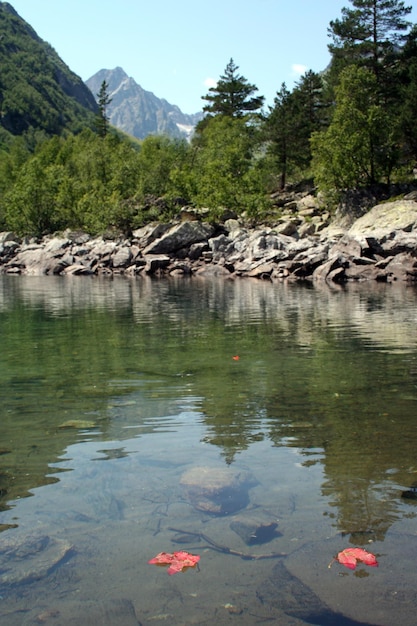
(180, 236)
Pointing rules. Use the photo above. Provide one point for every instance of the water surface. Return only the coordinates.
(112, 389)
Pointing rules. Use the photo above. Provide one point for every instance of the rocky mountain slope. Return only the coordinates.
(37, 89)
(138, 112)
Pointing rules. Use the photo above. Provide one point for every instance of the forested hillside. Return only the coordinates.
(350, 128)
(38, 92)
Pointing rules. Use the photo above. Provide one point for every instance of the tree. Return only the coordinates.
(368, 33)
(102, 120)
(358, 148)
(279, 132)
(225, 172)
(158, 157)
(292, 120)
(233, 95)
(405, 84)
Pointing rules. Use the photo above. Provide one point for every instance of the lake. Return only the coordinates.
(292, 407)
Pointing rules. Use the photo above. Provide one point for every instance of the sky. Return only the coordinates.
(177, 49)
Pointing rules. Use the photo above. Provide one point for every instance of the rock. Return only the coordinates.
(212, 270)
(24, 559)
(7, 236)
(144, 236)
(381, 245)
(102, 249)
(197, 249)
(304, 263)
(385, 218)
(307, 229)
(289, 594)
(77, 269)
(288, 228)
(56, 246)
(107, 612)
(121, 257)
(155, 262)
(255, 528)
(264, 270)
(180, 236)
(402, 267)
(219, 491)
(348, 247)
(331, 270)
(83, 424)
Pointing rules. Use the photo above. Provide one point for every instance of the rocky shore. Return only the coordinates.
(303, 245)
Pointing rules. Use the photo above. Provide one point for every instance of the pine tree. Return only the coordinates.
(293, 118)
(367, 33)
(233, 95)
(102, 120)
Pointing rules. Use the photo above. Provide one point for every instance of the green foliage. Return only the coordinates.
(353, 126)
(369, 31)
(292, 120)
(37, 90)
(88, 182)
(159, 159)
(358, 147)
(233, 95)
(225, 172)
(76, 182)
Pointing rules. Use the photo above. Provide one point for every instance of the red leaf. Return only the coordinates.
(350, 556)
(163, 558)
(177, 561)
(236, 358)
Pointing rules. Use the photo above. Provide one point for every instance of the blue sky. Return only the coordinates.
(178, 48)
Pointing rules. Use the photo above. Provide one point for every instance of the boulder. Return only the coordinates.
(219, 491)
(255, 527)
(155, 262)
(333, 269)
(180, 236)
(384, 219)
(25, 558)
(402, 267)
(145, 235)
(121, 257)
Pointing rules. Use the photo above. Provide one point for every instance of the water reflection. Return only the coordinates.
(331, 372)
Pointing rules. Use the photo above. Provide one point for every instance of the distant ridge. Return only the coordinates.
(37, 89)
(138, 112)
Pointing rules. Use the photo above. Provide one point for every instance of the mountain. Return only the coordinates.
(138, 112)
(37, 89)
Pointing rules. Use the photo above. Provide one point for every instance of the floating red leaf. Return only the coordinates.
(350, 556)
(236, 358)
(163, 558)
(176, 561)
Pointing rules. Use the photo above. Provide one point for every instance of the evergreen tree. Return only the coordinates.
(367, 33)
(292, 120)
(405, 84)
(279, 132)
(233, 95)
(102, 120)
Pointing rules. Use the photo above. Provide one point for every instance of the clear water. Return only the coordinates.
(111, 390)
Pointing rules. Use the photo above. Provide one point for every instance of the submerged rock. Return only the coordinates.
(255, 528)
(219, 491)
(24, 559)
(82, 424)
